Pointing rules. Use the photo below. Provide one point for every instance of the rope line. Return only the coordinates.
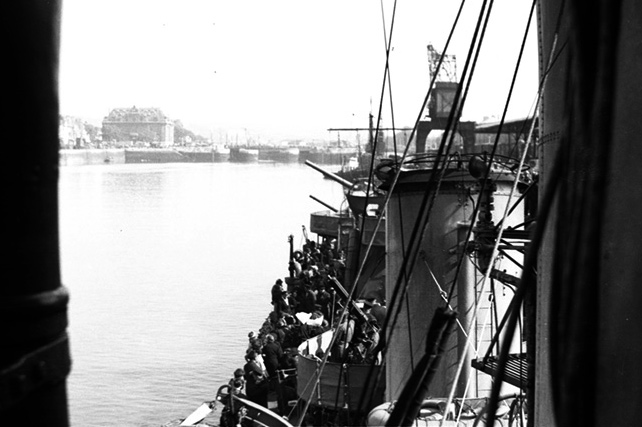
(443, 294)
(497, 136)
(398, 172)
(429, 198)
(500, 231)
(526, 280)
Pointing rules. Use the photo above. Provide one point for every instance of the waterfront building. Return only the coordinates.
(147, 125)
(72, 132)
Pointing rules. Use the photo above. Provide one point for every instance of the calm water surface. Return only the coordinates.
(169, 266)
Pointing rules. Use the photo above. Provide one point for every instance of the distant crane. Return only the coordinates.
(448, 70)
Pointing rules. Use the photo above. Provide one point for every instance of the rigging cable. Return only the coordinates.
(386, 76)
(403, 244)
(460, 103)
(502, 225)
(429, 197)
(403, 157)
(531, 255)
(533, 109)
(421, 224)
(443, 294)
(553, 60)
(360, 271)
(480, 338)
(496, 142)
(388, 44)
(526, 282)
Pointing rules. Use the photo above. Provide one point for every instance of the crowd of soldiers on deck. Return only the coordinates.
(309, 302)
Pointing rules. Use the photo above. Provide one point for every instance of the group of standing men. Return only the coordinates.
(308, 289)
(258, 377)
(262, 363)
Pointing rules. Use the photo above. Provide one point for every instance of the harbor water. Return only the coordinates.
(169, 266)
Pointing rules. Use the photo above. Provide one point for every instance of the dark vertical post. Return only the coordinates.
(466, 311)
(34, 361)
(467, 131)
(423, 129)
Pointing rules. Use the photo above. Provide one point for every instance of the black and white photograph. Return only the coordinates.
(292, 213)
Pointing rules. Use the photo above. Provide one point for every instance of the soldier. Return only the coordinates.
(255, 380)
(279, 298)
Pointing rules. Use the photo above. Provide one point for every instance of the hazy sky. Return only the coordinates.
(272, 68)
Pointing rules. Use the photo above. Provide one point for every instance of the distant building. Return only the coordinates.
(72, 132)
(148, 126)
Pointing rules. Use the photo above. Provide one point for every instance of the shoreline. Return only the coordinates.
(98, 156)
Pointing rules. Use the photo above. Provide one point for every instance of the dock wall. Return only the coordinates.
(91, 156)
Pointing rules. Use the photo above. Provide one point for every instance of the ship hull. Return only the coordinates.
(153, 155)
(244, 155)
(197, 156)
(220, 154)
(279, 155)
